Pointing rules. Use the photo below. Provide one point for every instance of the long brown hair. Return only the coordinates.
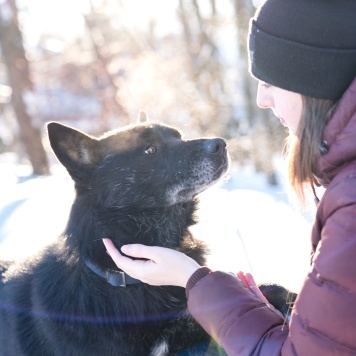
(306, 147)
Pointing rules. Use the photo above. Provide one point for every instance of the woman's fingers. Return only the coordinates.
(111, 249)
(248, 280)
(241, 276)
(132, 267)
(161, 266)
(254, 287)
(250, 283)
(134, 250)
(141, 251)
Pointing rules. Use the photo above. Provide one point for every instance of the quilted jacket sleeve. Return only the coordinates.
(234, 317)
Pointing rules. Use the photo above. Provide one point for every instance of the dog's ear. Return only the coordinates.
(142, 117)
(74, 149)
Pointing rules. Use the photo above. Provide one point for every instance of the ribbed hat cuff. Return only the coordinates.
(323, 73)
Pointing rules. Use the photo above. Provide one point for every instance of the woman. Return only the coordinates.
(303, 52)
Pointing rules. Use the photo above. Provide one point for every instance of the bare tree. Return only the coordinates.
(265, 132)
(206, 69)
(243, 12)
(19, 78)
(98, 25)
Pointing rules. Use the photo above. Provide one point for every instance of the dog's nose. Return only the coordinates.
(214, 145)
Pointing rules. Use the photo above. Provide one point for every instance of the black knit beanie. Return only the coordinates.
(305, 46)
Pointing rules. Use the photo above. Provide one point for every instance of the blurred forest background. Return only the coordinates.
(93, 64)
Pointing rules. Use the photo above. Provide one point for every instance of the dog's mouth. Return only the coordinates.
(196, 185)
(220, 172)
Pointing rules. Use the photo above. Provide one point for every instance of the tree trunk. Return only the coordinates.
(244, 11)
(108, 93)
(19, 79)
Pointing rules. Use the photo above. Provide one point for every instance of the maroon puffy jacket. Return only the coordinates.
(323, 321)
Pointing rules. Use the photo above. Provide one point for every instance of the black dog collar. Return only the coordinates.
(115, 278)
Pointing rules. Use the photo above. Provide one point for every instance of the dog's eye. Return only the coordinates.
(150, 150)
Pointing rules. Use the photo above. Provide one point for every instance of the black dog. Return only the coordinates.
(137, 184)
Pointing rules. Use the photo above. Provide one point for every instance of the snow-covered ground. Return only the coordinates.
(249, 225)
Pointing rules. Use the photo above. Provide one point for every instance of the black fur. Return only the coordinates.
(138, 185)
(281, 298)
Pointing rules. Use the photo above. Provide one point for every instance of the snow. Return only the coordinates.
(248, 224)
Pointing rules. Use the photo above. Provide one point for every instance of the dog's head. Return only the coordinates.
(144, 165)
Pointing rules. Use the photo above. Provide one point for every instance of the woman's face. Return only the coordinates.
(286, 105)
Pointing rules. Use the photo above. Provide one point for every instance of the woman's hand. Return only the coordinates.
(162, 266)
(248, 280)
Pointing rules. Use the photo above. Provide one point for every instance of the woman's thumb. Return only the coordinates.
(139, 251)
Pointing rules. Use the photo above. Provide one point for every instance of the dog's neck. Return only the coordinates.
(164, 227)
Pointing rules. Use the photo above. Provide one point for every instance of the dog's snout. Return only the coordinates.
(214, 145)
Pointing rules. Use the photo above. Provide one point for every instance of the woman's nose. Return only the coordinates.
(264, 99)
